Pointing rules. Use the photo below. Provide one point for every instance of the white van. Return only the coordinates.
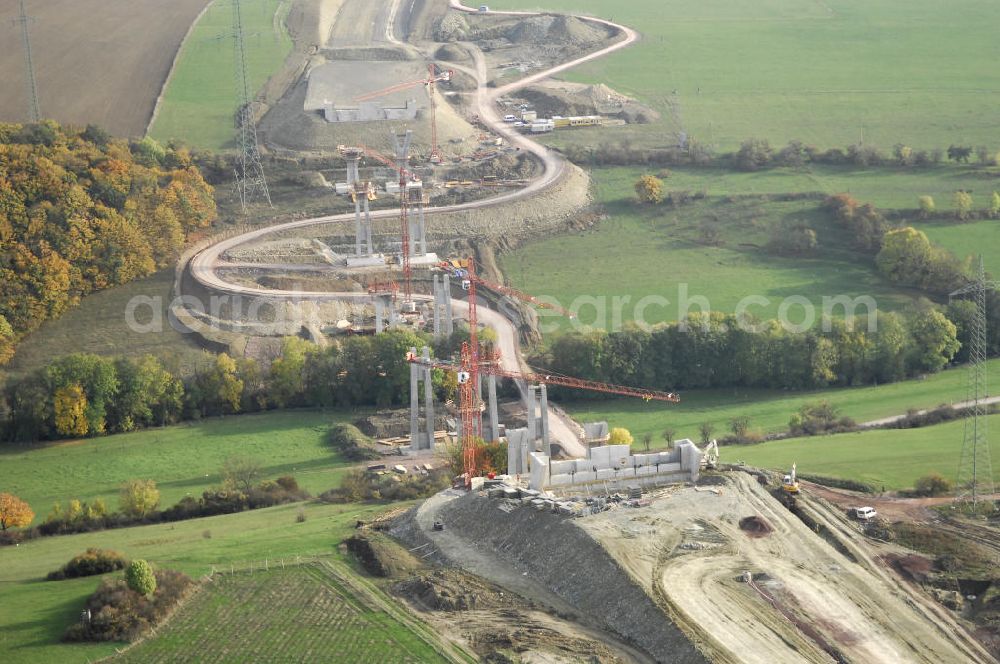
(864, 513)
(509, 118)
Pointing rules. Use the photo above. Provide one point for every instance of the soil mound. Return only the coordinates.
(382, 556)
(453, 590)
(555, 29)
(756, 526)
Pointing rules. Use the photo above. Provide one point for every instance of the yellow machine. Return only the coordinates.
(789, 483)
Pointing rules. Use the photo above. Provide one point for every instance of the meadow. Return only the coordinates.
(889, 458)
(98, 325)
(199, 103)
(640, 250)
(303, 612)
(829, 73)
(35, 612)
(770, 410)
(184, 459)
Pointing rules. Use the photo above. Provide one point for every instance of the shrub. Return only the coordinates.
(116, 613)
(839, 483)
(139, 577)
(89, 563)
(932, 485)
(352, 443)
(818, 418)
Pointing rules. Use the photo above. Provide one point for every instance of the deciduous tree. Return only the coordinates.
(649, 189)
(620, 436)
(139, 498)
(140, 578)
(14, 512)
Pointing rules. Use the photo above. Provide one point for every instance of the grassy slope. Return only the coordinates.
(200, 102)
(98, 325)
(641, 251)
(34, 612)
(183, 459)
(300, 612)
(890, 458)
(770, 410)
(820, 72)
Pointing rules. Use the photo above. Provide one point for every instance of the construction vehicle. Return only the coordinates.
(710, 455)
(789, 483)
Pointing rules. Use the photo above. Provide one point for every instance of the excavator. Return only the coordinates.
(710, 455)
(790, 484)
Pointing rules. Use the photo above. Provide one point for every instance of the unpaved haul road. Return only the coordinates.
(204, 265)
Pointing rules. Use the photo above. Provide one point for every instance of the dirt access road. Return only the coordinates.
(809, 602)
(96, 61)
(203, 267)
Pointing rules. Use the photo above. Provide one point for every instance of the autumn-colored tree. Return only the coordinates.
(963, 204)
(926, 204)
(14, 512)
(81, 211)
(649, 189)
(6, 334)
(138, 498)
(620, 436)
(70, 405)
(993, 211)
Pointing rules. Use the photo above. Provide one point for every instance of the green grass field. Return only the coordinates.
(183, 459)
(823, 72)
(644, 251)
(769, 410)
(299, 613)
(98, 325)
(199, 104)
(890, 458)
(34, 612)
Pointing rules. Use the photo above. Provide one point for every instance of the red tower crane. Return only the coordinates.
(472, 364)
(466, 273)
(433, 78)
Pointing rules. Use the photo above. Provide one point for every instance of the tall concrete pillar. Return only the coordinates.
(438, 306)
(428, 442)
(491, 391)
(529, 395)
(449, 318)
(544, 417)
(367, 225)
(415, 371)
(379, 315)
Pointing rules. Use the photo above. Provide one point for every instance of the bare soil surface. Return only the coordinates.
(809, 601)
(96, 61)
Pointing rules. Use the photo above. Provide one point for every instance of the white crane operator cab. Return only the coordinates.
(463, 377)
(466, 284)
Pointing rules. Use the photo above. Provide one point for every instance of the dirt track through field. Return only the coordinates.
(96, 61)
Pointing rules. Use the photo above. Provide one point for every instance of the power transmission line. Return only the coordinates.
(29, 65)
(251, 185)
(975, 471)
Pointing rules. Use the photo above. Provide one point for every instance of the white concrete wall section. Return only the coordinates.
(613, 462)
(600, 456)
(539, 470)
(562, 467)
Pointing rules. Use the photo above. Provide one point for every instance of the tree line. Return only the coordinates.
(719, 350)
(756, 154)
(88, 395)
(81, 211)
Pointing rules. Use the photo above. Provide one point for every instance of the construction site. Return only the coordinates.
(672, 555)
